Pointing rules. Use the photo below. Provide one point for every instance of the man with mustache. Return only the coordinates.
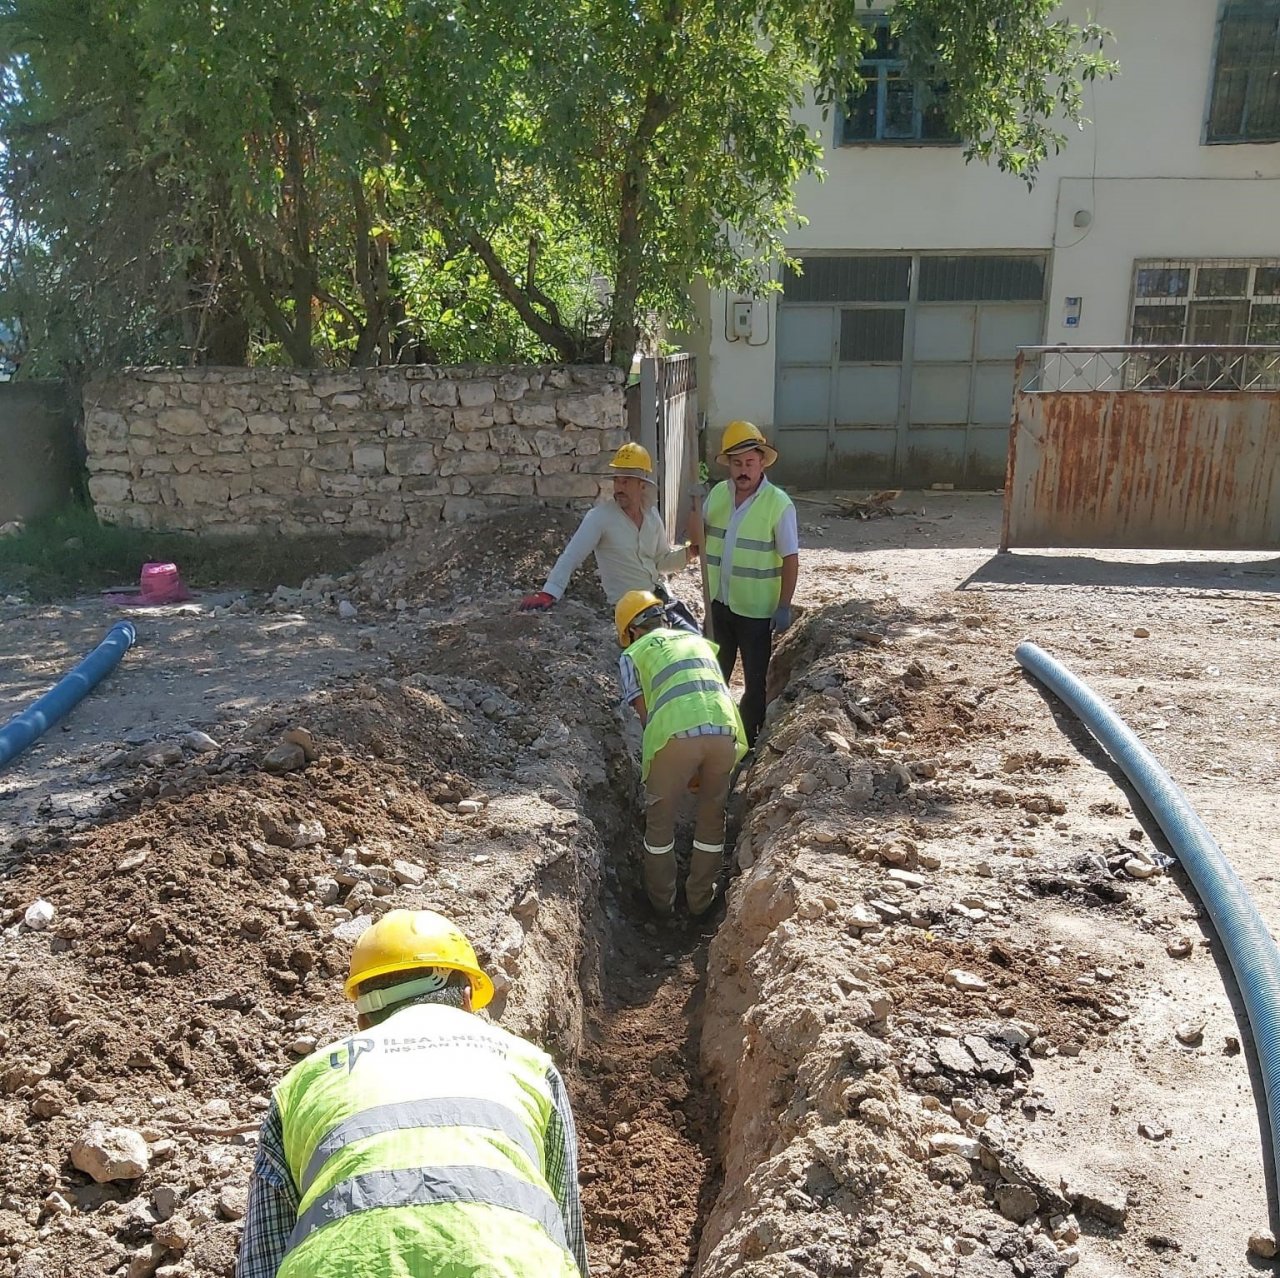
(752, 554)
(629, 541)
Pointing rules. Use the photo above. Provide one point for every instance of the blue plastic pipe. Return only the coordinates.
(1245, 937)
(66, 694)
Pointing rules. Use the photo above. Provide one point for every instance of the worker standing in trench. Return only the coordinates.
(629, 541)
(430, 1142)
(692, 734)
(752, 555)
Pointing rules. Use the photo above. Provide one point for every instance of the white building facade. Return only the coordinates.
(889, 359)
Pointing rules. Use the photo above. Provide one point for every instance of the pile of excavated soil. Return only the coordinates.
(460, 563)
(947, 961)
(201, 926)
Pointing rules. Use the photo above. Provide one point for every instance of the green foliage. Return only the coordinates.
(1015, 73)
(71, 553)
(316, 181)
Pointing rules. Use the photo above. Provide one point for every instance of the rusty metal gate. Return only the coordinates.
(1145, 447)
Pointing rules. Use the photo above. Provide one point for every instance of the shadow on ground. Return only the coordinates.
(1011, 569)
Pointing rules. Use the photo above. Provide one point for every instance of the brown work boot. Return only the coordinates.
(660, 880)
(702, 886)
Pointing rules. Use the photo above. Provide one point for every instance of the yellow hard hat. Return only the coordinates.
(741, 437)
(633, 459)
(404, 940)
(631, 606)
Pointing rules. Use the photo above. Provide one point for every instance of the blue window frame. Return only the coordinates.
(1246, 76)
(893, 107)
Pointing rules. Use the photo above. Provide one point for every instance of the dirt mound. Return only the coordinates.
(468, 561)
(896, 1012)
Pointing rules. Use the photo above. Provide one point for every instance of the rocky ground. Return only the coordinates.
(957, 1018)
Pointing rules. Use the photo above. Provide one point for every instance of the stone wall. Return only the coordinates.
(368, 451)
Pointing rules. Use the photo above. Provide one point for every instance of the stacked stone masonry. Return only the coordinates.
(368, 451)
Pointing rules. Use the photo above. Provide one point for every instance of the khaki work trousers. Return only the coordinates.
(711, 760)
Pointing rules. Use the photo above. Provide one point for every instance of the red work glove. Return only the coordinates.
(538, 602)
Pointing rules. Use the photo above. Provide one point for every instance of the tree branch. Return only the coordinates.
(563, 342)
(271, 312)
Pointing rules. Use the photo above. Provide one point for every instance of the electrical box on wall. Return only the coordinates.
(741, 314)
(1071, 308)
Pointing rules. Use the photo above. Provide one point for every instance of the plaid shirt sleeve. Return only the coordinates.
(272, 1210)
(561, 1153)
(629, 678)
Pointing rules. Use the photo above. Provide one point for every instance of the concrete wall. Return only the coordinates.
(37, 449)
(1140, 170)
(370, 451)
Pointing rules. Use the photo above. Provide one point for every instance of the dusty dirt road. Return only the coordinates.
(804, 1090)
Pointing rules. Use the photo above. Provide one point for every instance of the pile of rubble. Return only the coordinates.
(877, 1005)
(458, 564)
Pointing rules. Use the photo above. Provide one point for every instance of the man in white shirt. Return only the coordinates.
(627, 537)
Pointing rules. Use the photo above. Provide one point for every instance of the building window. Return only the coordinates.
(1210, 303)
(1246, 78)
(893, 106)
(1207, 303)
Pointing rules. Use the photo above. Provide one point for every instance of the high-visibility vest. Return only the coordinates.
(417, 1148)
(683, 689)
(755, 572)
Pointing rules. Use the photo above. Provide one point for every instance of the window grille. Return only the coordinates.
(978, 278)
(1246, 76)
(872, 335)
(848, 279)
(973, 277)
(893, 105)
(1210, 302)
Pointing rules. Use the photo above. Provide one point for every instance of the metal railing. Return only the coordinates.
(1042, 369)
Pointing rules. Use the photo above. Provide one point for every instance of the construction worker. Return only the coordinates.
(752, 560)
(430, 1142)
(629, 541)
(692, 734)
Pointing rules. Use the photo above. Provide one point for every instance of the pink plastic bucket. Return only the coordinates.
(162, 583)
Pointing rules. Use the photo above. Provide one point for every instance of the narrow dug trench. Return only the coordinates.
(646, 1120)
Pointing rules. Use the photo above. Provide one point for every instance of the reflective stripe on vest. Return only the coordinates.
(755, 570)
(693, 663)
(683, 690)
(438, 1121)
(421, 1186)
(449, 1111)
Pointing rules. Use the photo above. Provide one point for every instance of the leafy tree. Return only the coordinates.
(684, 148)
(191, 175)
(323, 181)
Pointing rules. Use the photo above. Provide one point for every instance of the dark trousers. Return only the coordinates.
(752, 637)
